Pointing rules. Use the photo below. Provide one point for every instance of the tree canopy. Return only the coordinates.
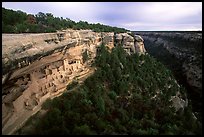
(118, 99)
(21, 22)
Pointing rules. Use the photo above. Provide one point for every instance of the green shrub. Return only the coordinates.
(47, 104)
(94, 107)
(85, 55)
(112, 95)
(82, 130)
(72, 85)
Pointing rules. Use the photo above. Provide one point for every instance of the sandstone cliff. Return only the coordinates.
(129, 43)
(39, 66)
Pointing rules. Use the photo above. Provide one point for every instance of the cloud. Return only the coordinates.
(165, 16)
(170, 12)
(130, 15)
(73, 10)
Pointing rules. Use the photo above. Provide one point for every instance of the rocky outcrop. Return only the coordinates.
(139, 45)
(130, 44)
(19, 50)
(40, 66)
(108, 39)
(178, 102)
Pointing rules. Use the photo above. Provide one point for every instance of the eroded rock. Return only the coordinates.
(40, 66)
(130, 44)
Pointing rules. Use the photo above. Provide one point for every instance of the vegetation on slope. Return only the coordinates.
(192, 48)
(118, 99)
(21, 22)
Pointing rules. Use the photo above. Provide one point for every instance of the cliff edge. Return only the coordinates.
(40, 66)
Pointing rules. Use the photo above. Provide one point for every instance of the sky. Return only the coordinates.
(135, 16)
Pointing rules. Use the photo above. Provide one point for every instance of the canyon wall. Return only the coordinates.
(40, 66)
(182, 53)
(186, 47)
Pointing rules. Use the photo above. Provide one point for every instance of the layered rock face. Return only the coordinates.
(130, 44)
(40, 66)
(139, 45)
(20, 50)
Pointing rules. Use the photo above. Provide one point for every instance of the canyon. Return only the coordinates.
(37, 67)
(66, 77)
(181, 52)
(40, 66)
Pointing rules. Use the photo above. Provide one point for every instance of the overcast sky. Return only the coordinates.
(130, 15)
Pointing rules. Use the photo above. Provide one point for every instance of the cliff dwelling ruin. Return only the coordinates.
(40, 66)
